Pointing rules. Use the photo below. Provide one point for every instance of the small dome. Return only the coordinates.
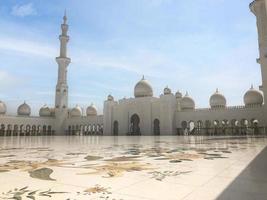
(76, 112)
(167, 91)
(187, 103)
(178, 95)
(24, 109)
(2, 108)
(253, 97)
(45, 111)
(143, 89)
(110, 98)
(91, 110)
(217, 100)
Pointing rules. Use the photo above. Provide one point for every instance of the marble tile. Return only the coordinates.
(133, 168)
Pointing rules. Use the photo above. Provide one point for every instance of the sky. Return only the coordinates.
(194, 45)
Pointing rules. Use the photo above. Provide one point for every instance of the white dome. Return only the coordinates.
(187, 103)
(110, 98)
(24, 109)
(45, 111)
(167, 91)
(143, 89)
(253, 97)
(217, 100)
(76, 112)
(91, 110)
(2, 108)
(178, 95)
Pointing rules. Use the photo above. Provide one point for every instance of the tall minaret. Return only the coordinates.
(61, 101)
(259, 8)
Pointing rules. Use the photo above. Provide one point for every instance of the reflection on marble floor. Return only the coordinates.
(117, 168)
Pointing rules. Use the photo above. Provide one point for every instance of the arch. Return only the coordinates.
(81, 130)
(225, 126)
(28, 129)
(72, 130)
(15, 130)
(235, 126)
(21, 129)
(38, 129)
(135, 128)
(207, 123)
(33, 132)
(85, 129)
(69, 130)
(234, 123)
(191, 127)
(199, 127)
(208, 127)
(44, 130)
(9, 130)
(216, 123)
(156, 126)
(49, 130)
(89, 129)
(77, 129)
(115, 127)
(93, 129)
(255, 126)
(101, 129)
(184, 127)
(97, 129)
(2, 130)
(244, 126)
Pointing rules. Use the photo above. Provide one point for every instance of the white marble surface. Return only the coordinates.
(133, 168)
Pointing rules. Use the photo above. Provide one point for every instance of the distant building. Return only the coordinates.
(144, 114)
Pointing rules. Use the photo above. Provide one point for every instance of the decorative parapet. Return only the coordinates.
(241, 107)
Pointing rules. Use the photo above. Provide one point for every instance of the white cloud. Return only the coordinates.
(23, 10)
(27, 47)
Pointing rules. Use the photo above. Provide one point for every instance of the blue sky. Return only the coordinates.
(195, 46)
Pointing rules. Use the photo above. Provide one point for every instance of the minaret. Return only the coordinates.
(259, 9)
(61, 101)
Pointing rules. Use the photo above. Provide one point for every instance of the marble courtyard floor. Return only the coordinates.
(133, 168)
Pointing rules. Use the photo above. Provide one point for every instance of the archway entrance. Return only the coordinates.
(115, 128)
(156, 127)
(135, 129)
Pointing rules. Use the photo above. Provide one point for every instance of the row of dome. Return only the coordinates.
(77, 111)
(217, 100)
(25, 110)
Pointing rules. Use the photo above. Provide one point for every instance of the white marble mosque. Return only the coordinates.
(145, 113)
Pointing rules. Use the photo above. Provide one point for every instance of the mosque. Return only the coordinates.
(146, 114)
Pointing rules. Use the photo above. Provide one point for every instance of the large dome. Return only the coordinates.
(91, 110)
(217, 100)
(253, 97)
(187, 103)
(76, 111)
(2, 108)
(143, 89)
(24, 109)
(45, 111)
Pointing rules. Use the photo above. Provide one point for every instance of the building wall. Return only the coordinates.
(84, 125)
(31, 125)
(126, 108)
(237, 113)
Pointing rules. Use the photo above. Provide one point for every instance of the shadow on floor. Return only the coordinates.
(251, 183)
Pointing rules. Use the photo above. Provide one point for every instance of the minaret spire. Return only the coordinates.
(61, 101)
(65, 17)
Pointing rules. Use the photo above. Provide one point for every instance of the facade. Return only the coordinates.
(145, 114)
